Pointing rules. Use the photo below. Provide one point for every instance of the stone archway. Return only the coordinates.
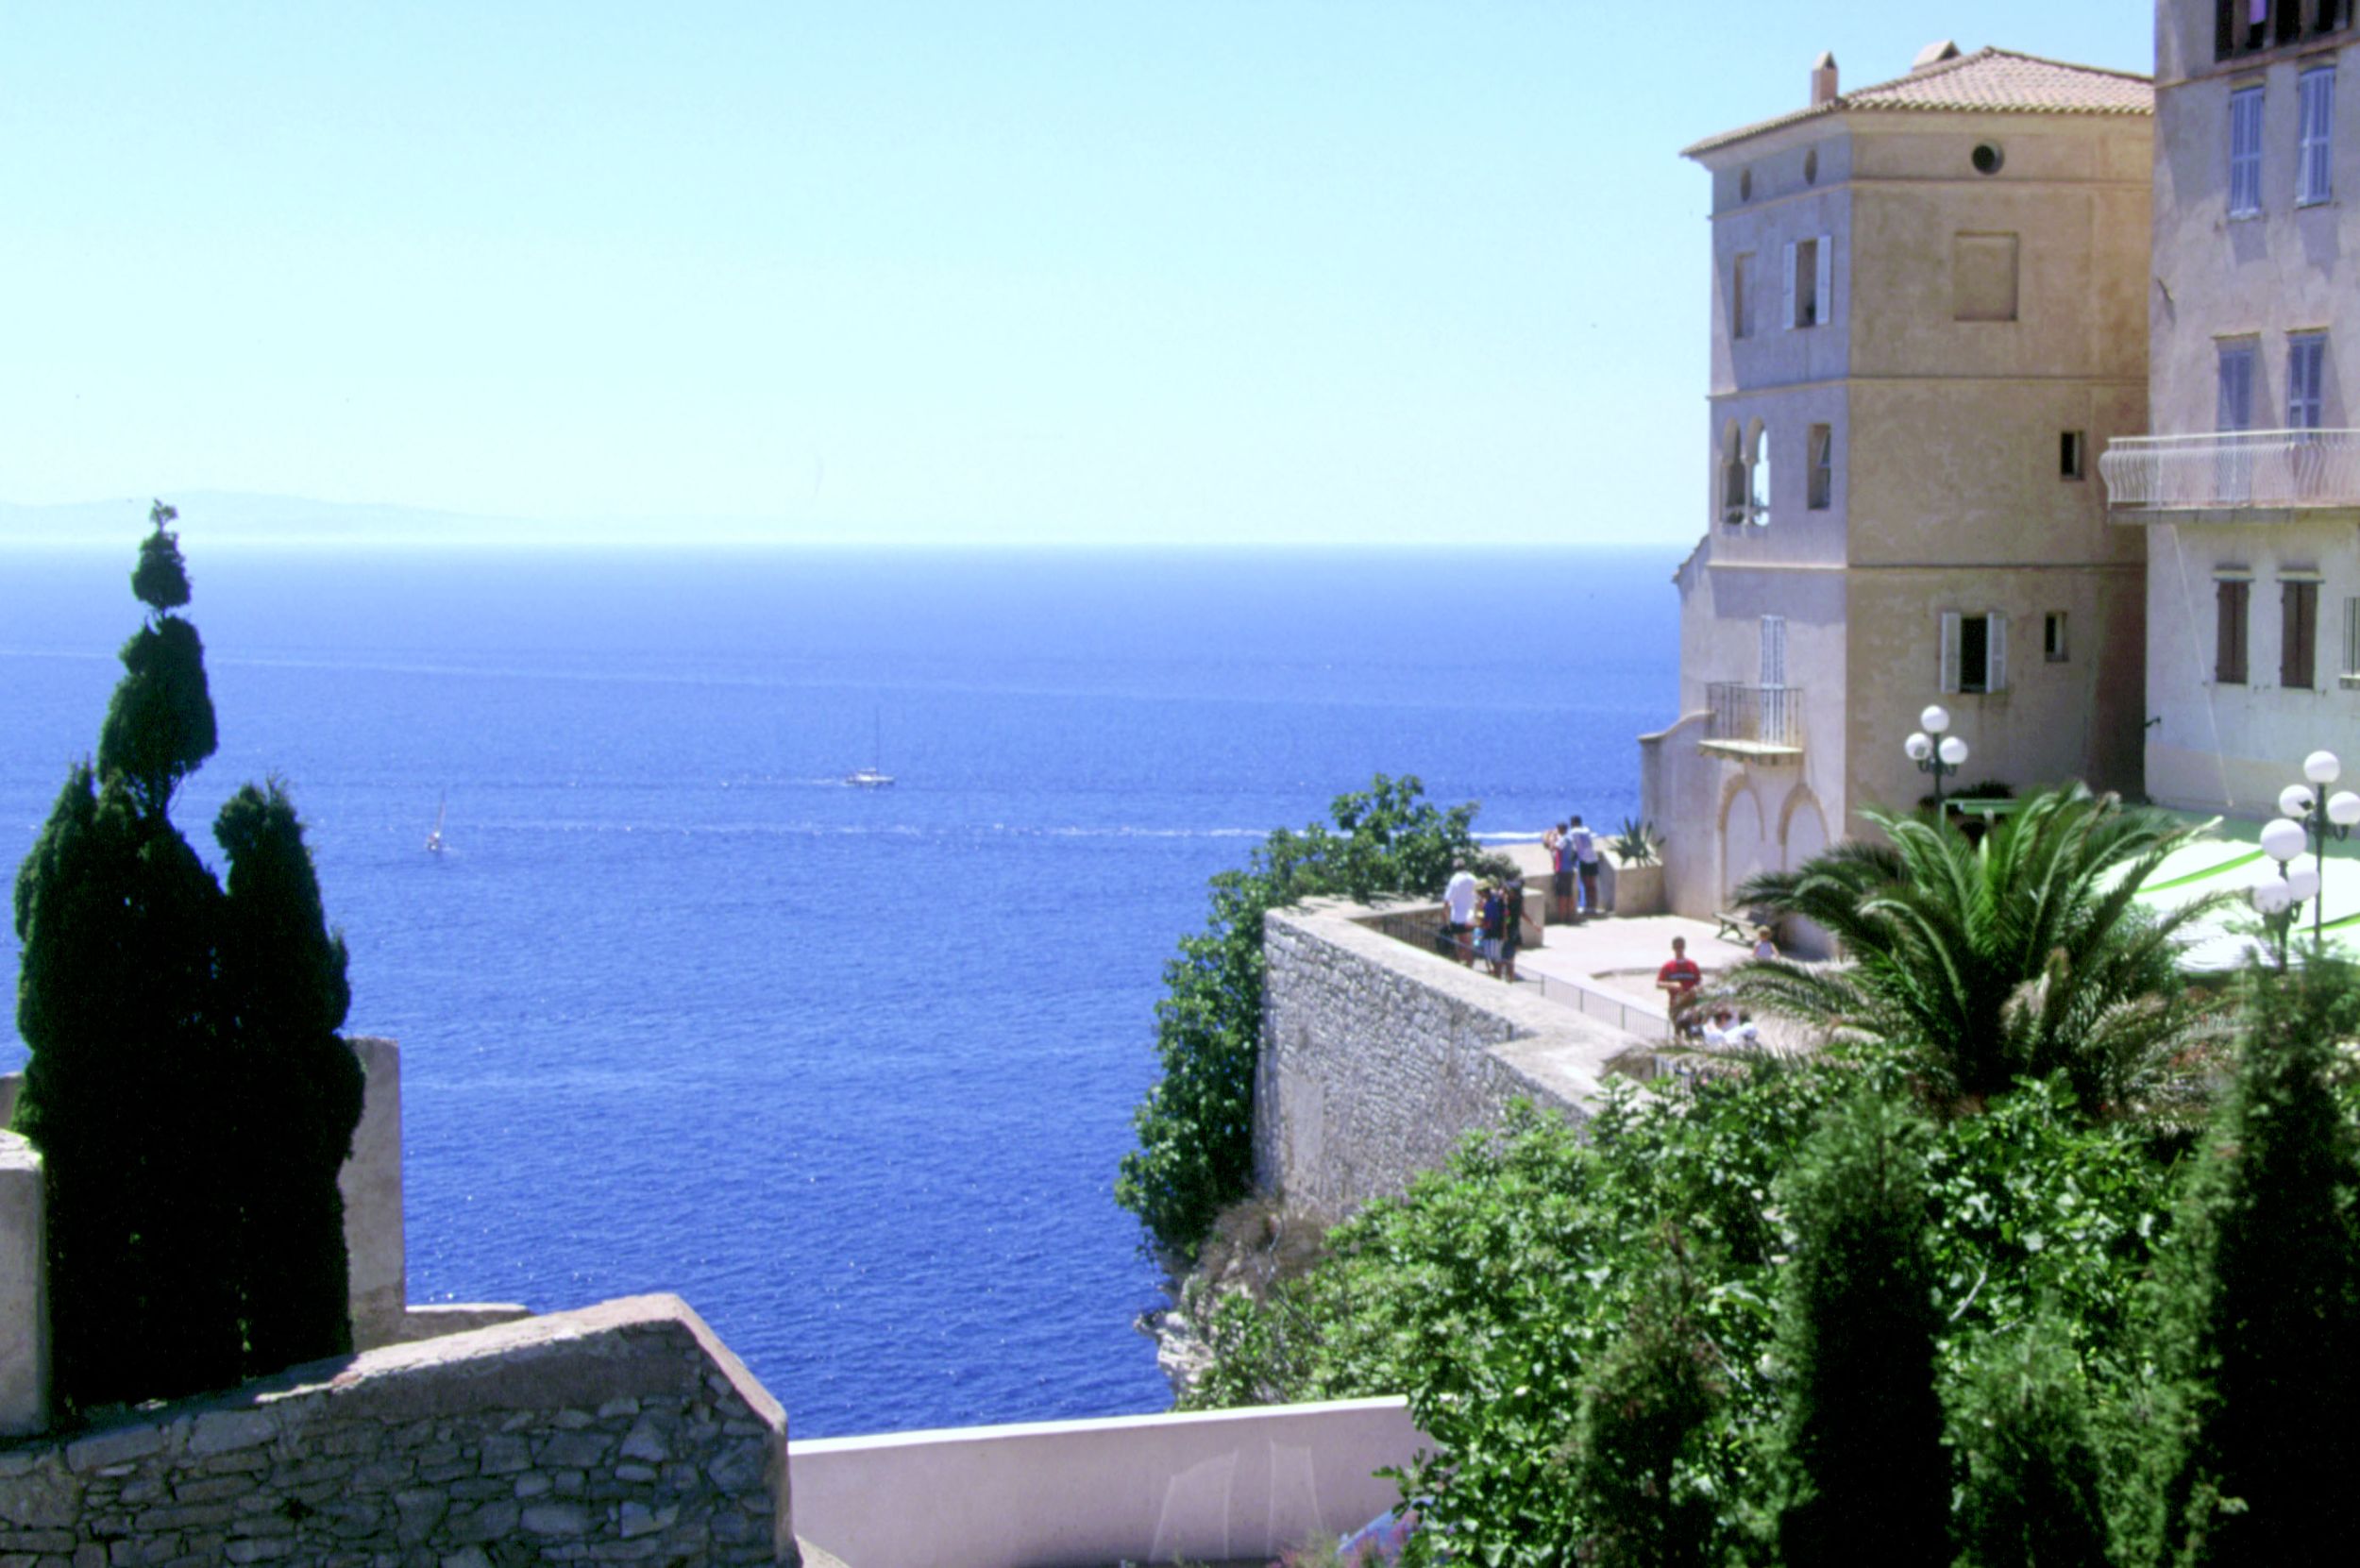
(1745, 848)
(1803, 833)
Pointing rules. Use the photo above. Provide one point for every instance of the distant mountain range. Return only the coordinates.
(220, 518)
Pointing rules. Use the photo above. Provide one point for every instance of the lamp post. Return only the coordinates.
(2279, 896)
(2307, 819)
(1936, 752)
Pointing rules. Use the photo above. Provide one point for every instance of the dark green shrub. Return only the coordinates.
(1860, 1452)
(1639, 1434)
(2263, 1313)
(2033, 1489)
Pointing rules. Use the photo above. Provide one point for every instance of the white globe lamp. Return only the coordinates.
(2322, 767)
(1954, 750)
(2294, 800)
(2343, 808)
(2283, 839)
(1921, 745)
(1935, 719)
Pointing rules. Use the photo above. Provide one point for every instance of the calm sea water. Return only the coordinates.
(850, 1070)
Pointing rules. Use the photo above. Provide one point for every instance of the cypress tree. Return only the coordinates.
(183, 1080)
(1862, 1473)
(299, 1085)
(2264, 1321)
(1642, 1412)
(2033, 1485)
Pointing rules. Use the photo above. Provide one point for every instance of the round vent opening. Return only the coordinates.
(1988, 158)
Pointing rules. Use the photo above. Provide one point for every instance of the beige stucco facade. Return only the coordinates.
(1946, 488)
(2283, 268)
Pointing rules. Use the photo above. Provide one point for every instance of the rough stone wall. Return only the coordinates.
(624, 1432)
(1379, 1057)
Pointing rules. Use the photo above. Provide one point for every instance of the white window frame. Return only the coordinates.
(2349, 674)
(2306, 380)
(1995, 653)
(2245, 152)
(1743, 286)
(1822, 281)
(2314, 181)
(2054, 646)
(1819, 469)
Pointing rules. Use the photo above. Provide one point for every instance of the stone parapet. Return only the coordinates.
(1379, 1057)
(624, 1432)
(24, 1289)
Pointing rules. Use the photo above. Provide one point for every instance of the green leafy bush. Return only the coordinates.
(1195, 1153)
(1502, 1290)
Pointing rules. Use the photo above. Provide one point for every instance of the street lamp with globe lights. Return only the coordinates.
(2308, 818)
(1936, 752)
(2279, 897)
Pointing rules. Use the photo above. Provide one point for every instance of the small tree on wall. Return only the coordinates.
(183, 1083)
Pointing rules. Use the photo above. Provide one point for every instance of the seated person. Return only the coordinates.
(1732, 1030)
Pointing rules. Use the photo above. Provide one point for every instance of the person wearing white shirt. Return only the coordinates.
(1458, 908)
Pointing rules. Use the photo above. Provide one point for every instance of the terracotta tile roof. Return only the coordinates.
(1986, 81)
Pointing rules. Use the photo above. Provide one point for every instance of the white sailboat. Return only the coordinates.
(434, 839)
(873, 776)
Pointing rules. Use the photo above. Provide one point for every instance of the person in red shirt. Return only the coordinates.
(1678, 980)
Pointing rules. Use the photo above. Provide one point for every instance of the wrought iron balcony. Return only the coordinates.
(2234, 471)
(1753, 719)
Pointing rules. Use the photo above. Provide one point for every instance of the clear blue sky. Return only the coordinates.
(1316, 271)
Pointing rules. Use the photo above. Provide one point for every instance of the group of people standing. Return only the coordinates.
(1486, 917)
(1573, 856)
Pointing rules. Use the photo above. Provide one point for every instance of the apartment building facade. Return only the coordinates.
(2247, 486)
(1928, 317)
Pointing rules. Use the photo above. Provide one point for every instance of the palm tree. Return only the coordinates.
(2018, 956)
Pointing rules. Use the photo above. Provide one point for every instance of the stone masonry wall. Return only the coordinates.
(624, 1432)
(1379, 1057)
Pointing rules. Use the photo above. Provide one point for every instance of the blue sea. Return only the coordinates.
(848, 1070)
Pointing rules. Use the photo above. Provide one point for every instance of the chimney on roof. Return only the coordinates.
(1823, 78)
(1933, 55)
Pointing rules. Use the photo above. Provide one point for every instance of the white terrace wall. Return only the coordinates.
(1212, 1486)
(1379, 1057)
(624, 1432)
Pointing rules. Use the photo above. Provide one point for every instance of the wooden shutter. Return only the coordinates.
(1995, 653)
(2297, 634)
(1788, 273)
(2229, 632)
(1949, 651)
(1825, 310)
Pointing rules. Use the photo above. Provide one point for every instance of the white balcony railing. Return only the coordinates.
(1765, 715)
(2234, 470)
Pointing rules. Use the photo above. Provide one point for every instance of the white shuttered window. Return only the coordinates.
(2245, 152)
(2314, 180)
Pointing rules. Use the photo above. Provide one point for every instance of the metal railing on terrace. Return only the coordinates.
(2233, 470)
(1767, 715)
